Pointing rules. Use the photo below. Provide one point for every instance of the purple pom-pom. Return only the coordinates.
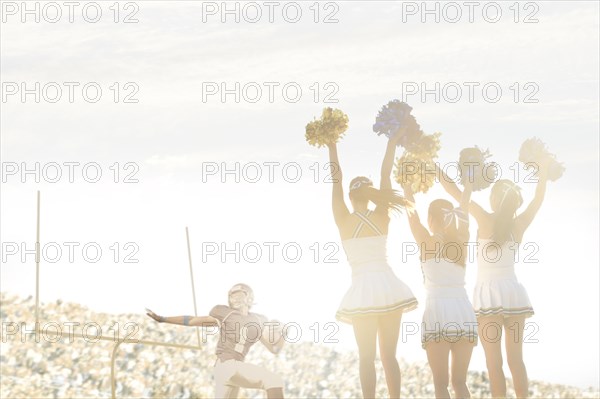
(396, 115)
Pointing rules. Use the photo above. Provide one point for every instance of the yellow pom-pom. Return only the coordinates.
(427, 146)
(414, 171)
(327, 130)
(474, 168)
(534, 152)
(416, 168)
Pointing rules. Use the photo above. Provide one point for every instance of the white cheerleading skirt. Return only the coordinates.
(448, 316)
(375, 291)
(498, 292)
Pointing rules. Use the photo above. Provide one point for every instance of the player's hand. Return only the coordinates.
(153, 315)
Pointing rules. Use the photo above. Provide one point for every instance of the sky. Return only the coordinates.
(172, 152)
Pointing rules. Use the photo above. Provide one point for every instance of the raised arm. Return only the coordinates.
(465, 198)
(419, 232)
(463, 208)
(340, 210)
(524, 219)
(480, 214)
(388, 162)
(448, 184)
(201, 321)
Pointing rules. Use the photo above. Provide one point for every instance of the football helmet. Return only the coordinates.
(237, 301)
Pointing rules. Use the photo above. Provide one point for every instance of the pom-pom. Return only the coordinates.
(534, 152)
(416, 172)
(474, 168)
(396, 115)
(416, 166)
(327, 130)
(555, 170)
(427, 146)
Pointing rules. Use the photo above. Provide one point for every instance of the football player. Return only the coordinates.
(239, 329)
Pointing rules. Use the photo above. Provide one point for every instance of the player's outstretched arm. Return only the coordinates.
(200, 321)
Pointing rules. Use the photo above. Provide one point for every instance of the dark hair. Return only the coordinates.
(505, 199)
(438, 210)
(361, 189)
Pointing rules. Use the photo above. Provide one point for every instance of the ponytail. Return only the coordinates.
(388, 199)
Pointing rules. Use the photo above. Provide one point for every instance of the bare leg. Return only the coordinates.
(490, 334)
(365, 332)
(461, 357)
(514, 327)
(389, 331)
(437, 356)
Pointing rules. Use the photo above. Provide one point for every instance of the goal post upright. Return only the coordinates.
(37, 264)
(187, 236)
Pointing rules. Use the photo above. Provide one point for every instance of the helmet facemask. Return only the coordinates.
(241, 297)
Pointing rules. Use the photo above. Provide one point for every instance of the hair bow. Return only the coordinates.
(454, 216)
(360, 182)
(510, 188)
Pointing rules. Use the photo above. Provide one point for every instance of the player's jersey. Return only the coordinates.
(237, 333)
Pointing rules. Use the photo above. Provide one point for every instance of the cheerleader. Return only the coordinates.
(500, 301)
(449, 323)
(377, 298)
